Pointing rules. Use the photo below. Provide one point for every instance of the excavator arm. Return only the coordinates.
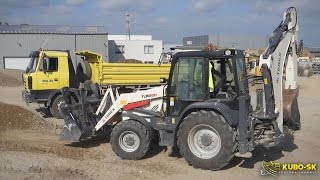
(281, 58)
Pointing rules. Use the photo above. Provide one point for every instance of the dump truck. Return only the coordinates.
(50, 70)
(209, 127)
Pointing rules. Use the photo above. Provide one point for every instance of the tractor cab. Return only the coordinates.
(212, 76)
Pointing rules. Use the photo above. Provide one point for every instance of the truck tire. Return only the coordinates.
(83, 71)
(206, 140)
(55, 107)
(130, 140)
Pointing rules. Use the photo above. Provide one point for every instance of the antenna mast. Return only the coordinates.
(128, 25)
(44, 43)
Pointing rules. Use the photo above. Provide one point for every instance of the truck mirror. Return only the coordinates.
(45, 64)
(28, 69)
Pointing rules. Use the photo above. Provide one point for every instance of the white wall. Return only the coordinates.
(132, 37)
(134, 49)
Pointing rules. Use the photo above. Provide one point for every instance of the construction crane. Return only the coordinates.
(208, 125)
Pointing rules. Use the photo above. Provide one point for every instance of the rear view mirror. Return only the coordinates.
(27, 69)
(45, 64)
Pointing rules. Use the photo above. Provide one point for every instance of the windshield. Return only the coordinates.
(242, 76)
(33, 63)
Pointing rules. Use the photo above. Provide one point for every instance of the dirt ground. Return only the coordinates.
(30, 147)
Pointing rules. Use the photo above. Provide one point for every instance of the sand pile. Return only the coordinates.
(11, 78)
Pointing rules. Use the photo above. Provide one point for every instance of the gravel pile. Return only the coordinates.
(15, 117)
(11, 78)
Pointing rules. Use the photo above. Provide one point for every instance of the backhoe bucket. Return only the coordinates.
(291, 114)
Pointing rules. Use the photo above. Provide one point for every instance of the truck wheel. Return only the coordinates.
(55, 107)
(206, 140)
(130, 140)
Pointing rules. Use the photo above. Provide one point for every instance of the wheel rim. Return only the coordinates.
(59, 106)
(129, 141)
(204, 141)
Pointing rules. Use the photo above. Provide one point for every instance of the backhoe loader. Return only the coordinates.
(208, 127)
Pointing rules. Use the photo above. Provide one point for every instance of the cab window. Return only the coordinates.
(49, 64)
(187, 81)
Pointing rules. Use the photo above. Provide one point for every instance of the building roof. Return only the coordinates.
(51, 29)
(132, 37)
(189, 47)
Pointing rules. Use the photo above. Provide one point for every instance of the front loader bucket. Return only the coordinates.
(77, 124)
(291, 114)
(72, 130)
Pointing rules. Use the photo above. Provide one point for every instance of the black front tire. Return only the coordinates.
(54, 108)
(206, 121)
(138, 130)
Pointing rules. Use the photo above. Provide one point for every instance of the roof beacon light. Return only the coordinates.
(227, 52)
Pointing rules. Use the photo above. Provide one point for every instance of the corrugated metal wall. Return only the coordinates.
(20, 45)
(96, 43)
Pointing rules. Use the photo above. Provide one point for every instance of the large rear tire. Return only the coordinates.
(130, 140)
(206, 140)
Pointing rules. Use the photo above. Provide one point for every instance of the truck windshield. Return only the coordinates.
(32, 64)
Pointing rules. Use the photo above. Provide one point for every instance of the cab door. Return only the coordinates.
(48, 73)
(187, 84)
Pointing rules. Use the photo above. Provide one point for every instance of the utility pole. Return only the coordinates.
(218, 44)
(128, 25)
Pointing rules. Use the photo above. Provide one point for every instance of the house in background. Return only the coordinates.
(139, 47)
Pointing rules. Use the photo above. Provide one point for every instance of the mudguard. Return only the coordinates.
(230, 115)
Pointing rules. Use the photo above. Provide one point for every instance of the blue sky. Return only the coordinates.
(169, 20)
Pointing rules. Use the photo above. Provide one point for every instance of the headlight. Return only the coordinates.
(227, 52)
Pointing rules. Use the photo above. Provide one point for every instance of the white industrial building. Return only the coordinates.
(139, 47)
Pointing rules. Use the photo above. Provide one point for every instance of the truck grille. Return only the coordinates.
(30, 82)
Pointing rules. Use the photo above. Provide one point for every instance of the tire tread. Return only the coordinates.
(135, 124)
(221, 120)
